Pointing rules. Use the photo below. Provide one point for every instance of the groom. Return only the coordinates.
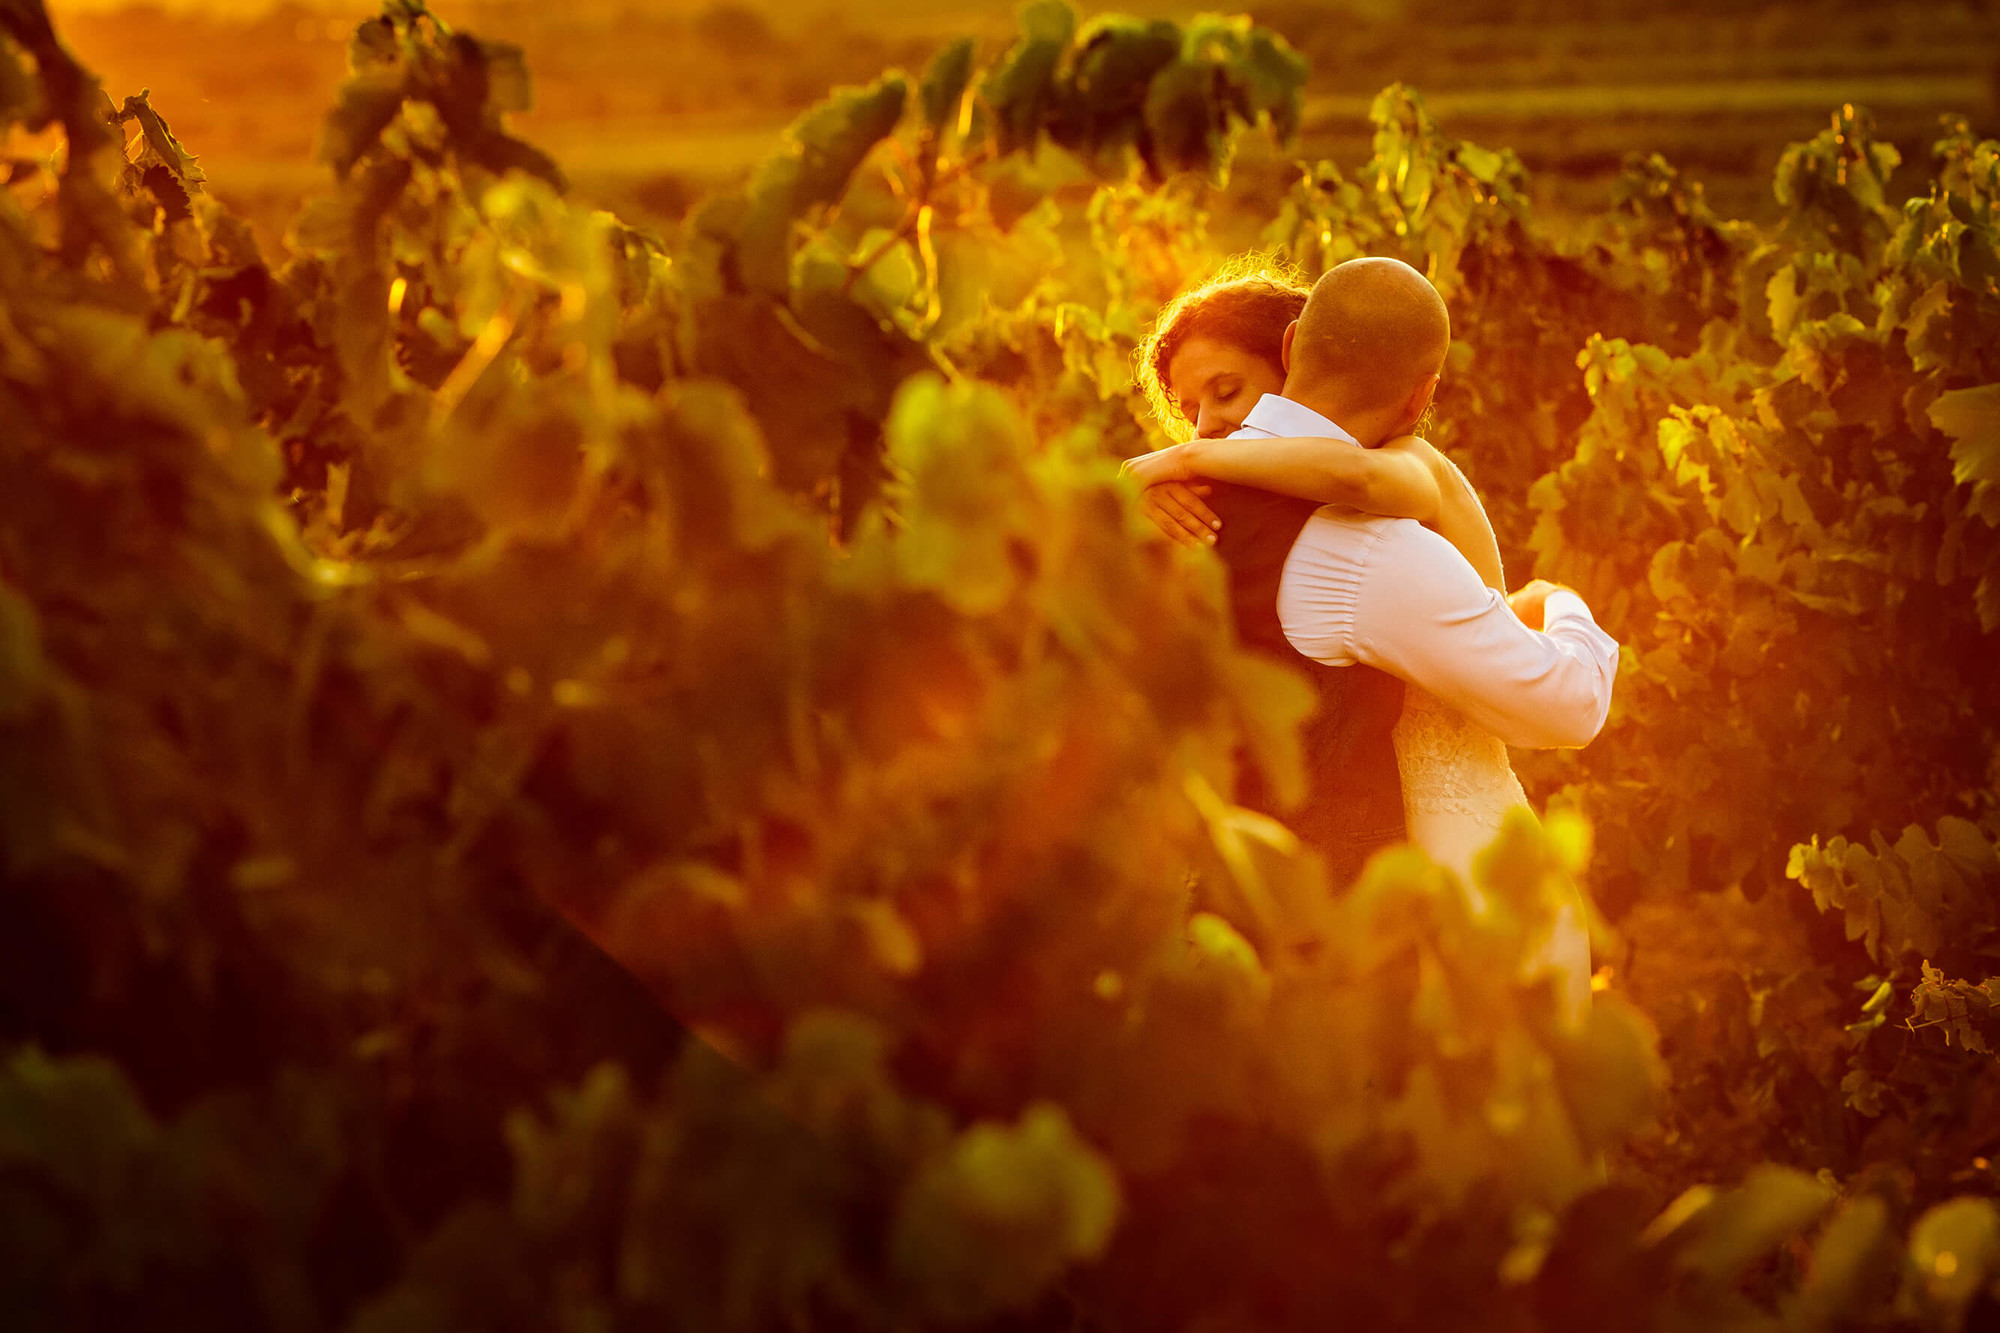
(1362, 603)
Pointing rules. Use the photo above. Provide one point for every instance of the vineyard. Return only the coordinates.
(559, 775)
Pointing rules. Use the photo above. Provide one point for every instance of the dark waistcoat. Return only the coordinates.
(1354, 796)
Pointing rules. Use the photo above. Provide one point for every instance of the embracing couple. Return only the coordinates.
(1359, 554)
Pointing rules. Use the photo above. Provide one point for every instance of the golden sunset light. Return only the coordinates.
(740, 667)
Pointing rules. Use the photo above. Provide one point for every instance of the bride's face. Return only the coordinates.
(1216, 383)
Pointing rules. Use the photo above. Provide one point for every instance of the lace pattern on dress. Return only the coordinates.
(1449, 766)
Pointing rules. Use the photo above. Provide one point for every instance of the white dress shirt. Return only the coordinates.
(1392, 594)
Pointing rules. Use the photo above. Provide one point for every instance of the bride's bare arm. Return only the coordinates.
(1461, 519)
(1405, 478)
(1395, 480)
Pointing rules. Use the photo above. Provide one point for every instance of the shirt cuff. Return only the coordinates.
(1565, 605)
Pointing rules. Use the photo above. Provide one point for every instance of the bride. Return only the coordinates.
(1211, 355)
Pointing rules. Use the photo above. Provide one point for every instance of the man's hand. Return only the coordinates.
(1176, 508)
(1528, 600)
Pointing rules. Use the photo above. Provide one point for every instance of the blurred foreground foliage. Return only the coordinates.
(383, 623)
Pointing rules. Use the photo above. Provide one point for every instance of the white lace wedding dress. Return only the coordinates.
(1457, 787)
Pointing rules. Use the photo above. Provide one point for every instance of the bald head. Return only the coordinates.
(1372, 335)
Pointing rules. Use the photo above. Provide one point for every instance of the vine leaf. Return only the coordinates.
(1772, 1205)
(1968, 1013)
(1956, 1250)
(1020, 87)
(834, 137)
(1115, 62)
(363, 108)
(1971, 417)
(1268, 76)
(988, 1224)
(373, 44)
(19, 93)
(21, 665)
(827, 145)
(944, 84)
(1183, 121)
(161, 148)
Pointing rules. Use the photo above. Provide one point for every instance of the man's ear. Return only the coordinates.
(1285, 349)
(1419, 402)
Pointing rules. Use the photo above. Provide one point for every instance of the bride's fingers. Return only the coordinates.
(1182, 516)
(1167, 524)
(1165, 519)
(1204, 517)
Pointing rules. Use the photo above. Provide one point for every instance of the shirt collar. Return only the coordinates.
(1279, 417)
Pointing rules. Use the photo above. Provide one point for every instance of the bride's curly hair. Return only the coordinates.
(1247, 303)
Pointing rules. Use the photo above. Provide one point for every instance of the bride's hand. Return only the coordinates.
(1528, 600)
(1176, 509)
(1160, 466)
(1171, 495)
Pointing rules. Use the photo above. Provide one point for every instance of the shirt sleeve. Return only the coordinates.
(1421, 613)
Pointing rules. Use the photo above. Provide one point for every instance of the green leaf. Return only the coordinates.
(161, 147)
(944, 82)
(1971, 419)
(994, 1221)
(1969, 1014)
(1018, 89)
(1853, 1266)
(1272, 77)
(1782, 294)
(1105, 91)
(508, 88)
(1956, 1249)
(1771, 1206)
(1183, 122)
(891, 282)
(764, 227)
(75, 1119)
(373, 44)
(1216, 941)
(1482, 164)
(965, 493)
(1048, 21)
(22, 669)
(1969, 848)
(1986, 599)
(20, 95)
(1612, 1076)
(362, 109)
(834, 137)
(1015, 187)
(891, 943)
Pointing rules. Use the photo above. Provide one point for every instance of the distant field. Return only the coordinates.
(649, 105)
